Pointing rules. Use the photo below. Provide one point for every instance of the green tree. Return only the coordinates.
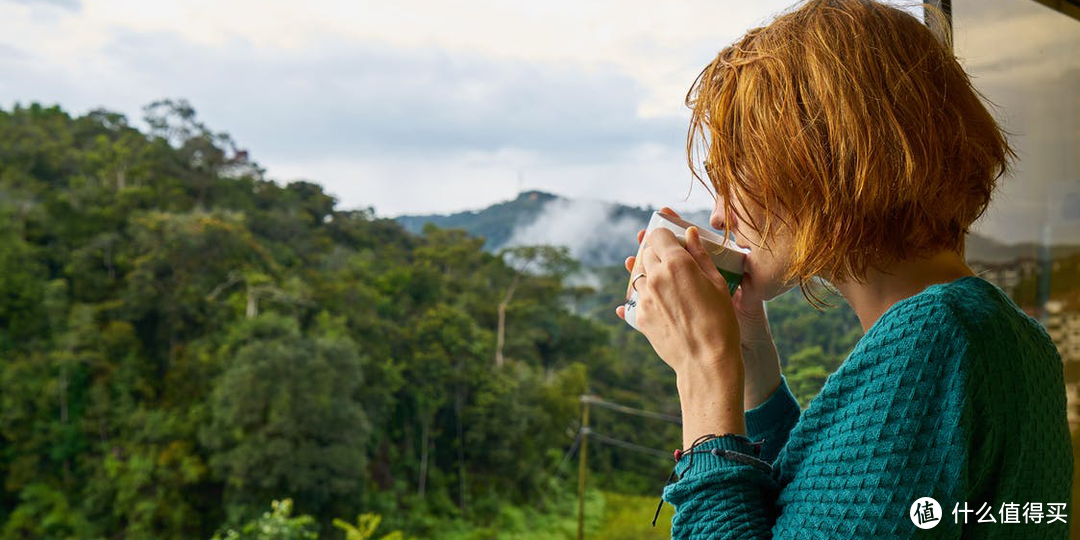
(807, 370)
(553, 261)
(184, 341)
(284, 417)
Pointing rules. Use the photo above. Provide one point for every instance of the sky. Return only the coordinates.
(1023, 57)
(422, 106)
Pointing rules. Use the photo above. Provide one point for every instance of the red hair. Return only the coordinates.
(856, 121)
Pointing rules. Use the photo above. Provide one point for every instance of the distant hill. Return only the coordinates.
(495, 223)
(598, 233)
(981, 248)
(601, 233)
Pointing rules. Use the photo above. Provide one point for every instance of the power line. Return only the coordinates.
(554, 473)
(630, 410)
(566, 457)
(627, 445)
(585, 433)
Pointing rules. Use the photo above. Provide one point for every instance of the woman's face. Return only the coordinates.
(765, 263)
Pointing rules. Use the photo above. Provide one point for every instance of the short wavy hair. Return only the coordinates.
(856, 121)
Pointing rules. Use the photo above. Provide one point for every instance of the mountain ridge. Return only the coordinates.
(602, 233)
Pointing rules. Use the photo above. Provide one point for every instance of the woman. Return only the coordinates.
(844, 141)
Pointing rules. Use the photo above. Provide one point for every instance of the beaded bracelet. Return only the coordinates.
(718, 452)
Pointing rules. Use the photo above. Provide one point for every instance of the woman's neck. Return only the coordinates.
(880, 290)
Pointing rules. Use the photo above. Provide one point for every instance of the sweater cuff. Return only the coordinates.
(700, 463)
(778, 407)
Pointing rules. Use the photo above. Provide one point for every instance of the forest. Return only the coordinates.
(189, 349)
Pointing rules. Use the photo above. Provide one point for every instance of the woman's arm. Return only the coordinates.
(719, 498)
(853, 473)
(773, 420)
(771, 409)
(888, 434)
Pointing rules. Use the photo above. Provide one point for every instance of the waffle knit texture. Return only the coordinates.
(954, 393)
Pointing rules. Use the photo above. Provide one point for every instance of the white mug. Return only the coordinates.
(728, 257)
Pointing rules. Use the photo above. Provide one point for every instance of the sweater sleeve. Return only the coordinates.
(773, 420)
(720, 498)
(867, 457)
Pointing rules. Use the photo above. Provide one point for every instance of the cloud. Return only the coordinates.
(417, 106)
(588, 228)
(402, 129)
(1031, 85)
(346, 98)
(397, 184)
(73, 5)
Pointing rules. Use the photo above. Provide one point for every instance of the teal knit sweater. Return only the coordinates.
(954, 393)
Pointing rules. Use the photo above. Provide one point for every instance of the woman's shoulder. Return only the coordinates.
(961, 338)
(1012, 370)
(969, 310)
(967, 325)
(995, 327)
(935, 317)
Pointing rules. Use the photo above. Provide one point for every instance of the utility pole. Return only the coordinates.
(581, 466)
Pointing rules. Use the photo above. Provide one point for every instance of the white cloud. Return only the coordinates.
(422, 105)
(646, 175)
(587, 227)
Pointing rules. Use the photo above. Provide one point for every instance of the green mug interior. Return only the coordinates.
(733, 279)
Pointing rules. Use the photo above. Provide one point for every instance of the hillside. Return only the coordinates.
(495, 223)
(601, 233)
(185, 341)
(598, 233)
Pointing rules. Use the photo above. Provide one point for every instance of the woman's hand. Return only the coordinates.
(761, 360)
(686, 313)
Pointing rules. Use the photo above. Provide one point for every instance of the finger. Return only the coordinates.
(664, 243)
(621, 312)
(748, 290)
(751, 311)
(638, 284)
(697, 250)
(670, 212)
(640, 235)
(649, 259)
(629, 263)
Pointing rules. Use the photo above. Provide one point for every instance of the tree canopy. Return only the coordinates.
(185, 341)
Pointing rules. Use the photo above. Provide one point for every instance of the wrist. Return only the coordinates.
(761, 363)
(709, 379)
(720, 421)
(711, 405)
(762, 377)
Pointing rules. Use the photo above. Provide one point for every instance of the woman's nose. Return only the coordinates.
(720, 221)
